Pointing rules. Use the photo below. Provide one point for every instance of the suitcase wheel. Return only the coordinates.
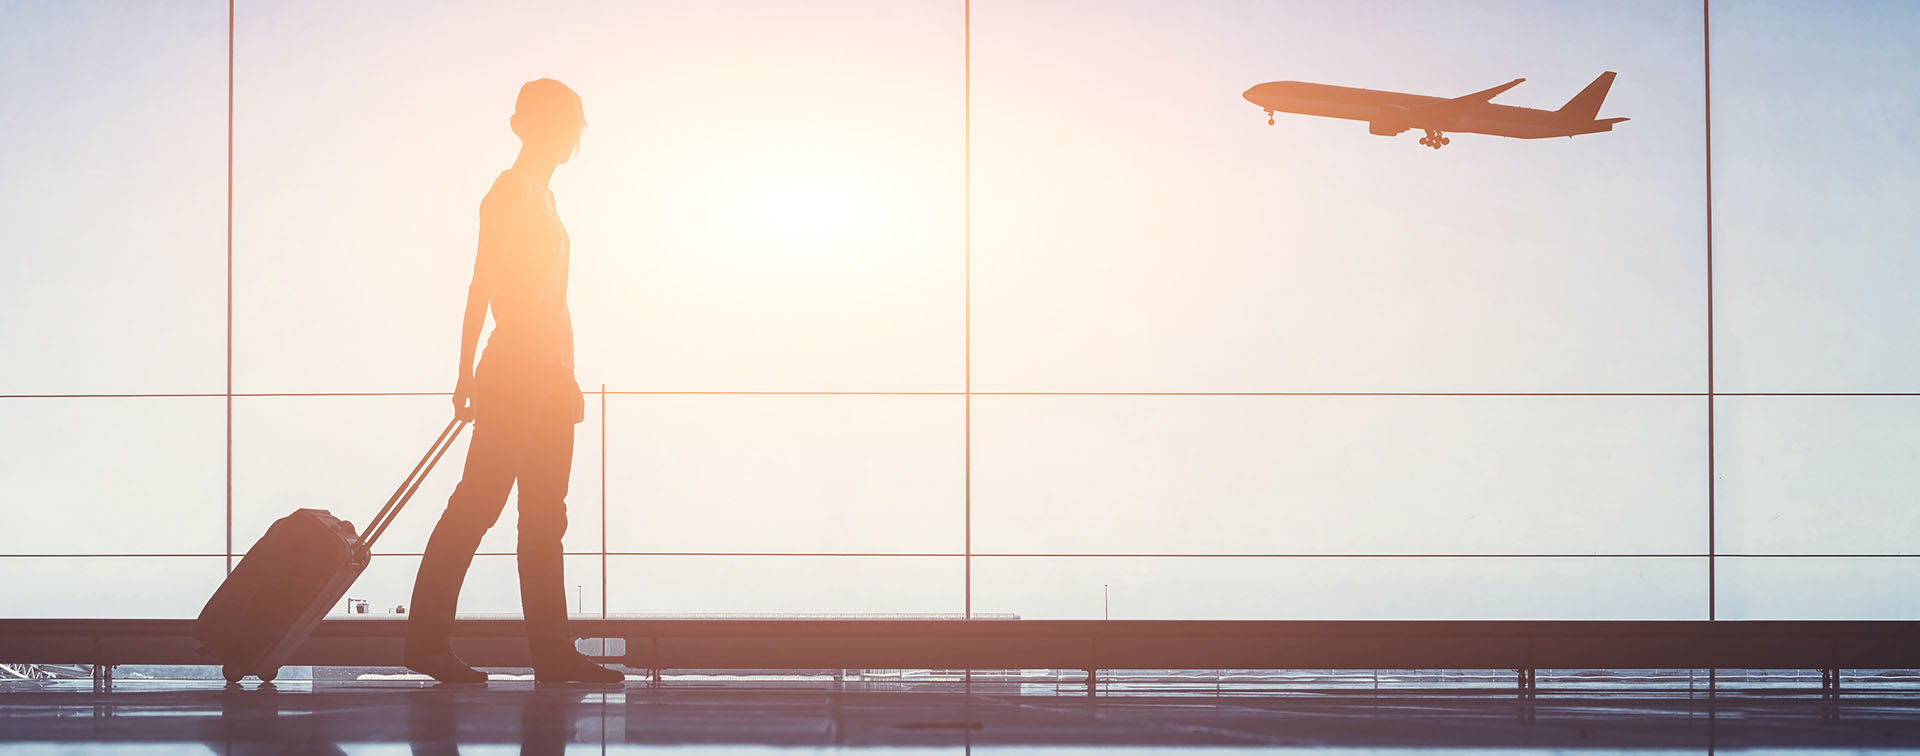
(233, 672)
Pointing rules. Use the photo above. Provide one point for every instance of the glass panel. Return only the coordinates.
(786, 473)
(848, 586)
(346, 455)
(1340, 475)
(108, 587)
(113, 476)
(1817, 475)
(114, 196)
(1138, 226)
(492, 588)
(1341, 588)
(1814, 179)
(769, 195)
(1815, 588)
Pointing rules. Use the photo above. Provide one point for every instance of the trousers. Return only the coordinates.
(522, 433)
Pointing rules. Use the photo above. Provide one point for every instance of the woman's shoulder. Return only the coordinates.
(509, 188)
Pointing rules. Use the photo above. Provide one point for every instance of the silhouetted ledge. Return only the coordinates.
(1049, 644)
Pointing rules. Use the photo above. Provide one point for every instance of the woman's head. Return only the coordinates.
(548, 119)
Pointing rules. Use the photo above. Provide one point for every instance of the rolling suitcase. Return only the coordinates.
(285, 584)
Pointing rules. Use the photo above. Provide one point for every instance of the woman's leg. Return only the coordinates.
(473, 508)
(543, 520)
(544, 473)
(494, 456)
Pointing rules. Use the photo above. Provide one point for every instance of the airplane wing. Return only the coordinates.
(1477, 98)
(1486, 94)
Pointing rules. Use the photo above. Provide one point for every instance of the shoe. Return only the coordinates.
(577, 669)
(440, 664)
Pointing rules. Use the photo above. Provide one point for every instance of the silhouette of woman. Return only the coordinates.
(524, 403)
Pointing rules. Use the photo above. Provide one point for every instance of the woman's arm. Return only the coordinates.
(478, 293)
(487, 261)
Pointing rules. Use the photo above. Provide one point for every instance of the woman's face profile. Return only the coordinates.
(570, 143)
(556, 140)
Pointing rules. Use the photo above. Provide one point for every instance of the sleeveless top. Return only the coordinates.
(523, 247)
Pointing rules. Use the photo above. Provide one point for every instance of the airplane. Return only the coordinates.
(1389, 113)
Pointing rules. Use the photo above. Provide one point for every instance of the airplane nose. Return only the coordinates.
(1259, 91)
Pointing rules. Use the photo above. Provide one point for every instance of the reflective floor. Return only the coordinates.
(398, 716)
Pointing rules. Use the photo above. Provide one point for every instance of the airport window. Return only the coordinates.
(1038, 318)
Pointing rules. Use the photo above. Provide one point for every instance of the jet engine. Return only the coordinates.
(1391, 120)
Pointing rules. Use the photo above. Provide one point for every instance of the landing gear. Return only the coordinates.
(1435, 139)
(1269, 118)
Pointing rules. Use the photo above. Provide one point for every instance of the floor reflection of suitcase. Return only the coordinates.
(304, 564)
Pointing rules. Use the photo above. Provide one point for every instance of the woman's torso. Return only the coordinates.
(531, 320)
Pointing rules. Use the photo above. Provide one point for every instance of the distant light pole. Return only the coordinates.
(1106, 601)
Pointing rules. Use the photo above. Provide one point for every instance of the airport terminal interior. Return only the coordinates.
(941, 376)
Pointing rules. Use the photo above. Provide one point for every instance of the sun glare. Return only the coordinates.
(811, 209)
(814, 203)
(804, 207)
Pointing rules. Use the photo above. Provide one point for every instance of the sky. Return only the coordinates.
(775, 197)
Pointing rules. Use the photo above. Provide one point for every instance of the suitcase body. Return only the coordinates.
(279, 591)
(287, 581)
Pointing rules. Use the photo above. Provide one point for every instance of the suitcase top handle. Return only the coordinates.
(412, 483)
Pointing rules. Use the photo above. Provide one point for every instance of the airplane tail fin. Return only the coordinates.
(1584, 106)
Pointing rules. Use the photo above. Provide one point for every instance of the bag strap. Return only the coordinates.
(412, 483)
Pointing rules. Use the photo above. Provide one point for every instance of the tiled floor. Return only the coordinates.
(398, 716)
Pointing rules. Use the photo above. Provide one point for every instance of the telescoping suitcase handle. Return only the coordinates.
(411, 484)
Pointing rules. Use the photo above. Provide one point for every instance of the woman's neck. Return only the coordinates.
(540, 168)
